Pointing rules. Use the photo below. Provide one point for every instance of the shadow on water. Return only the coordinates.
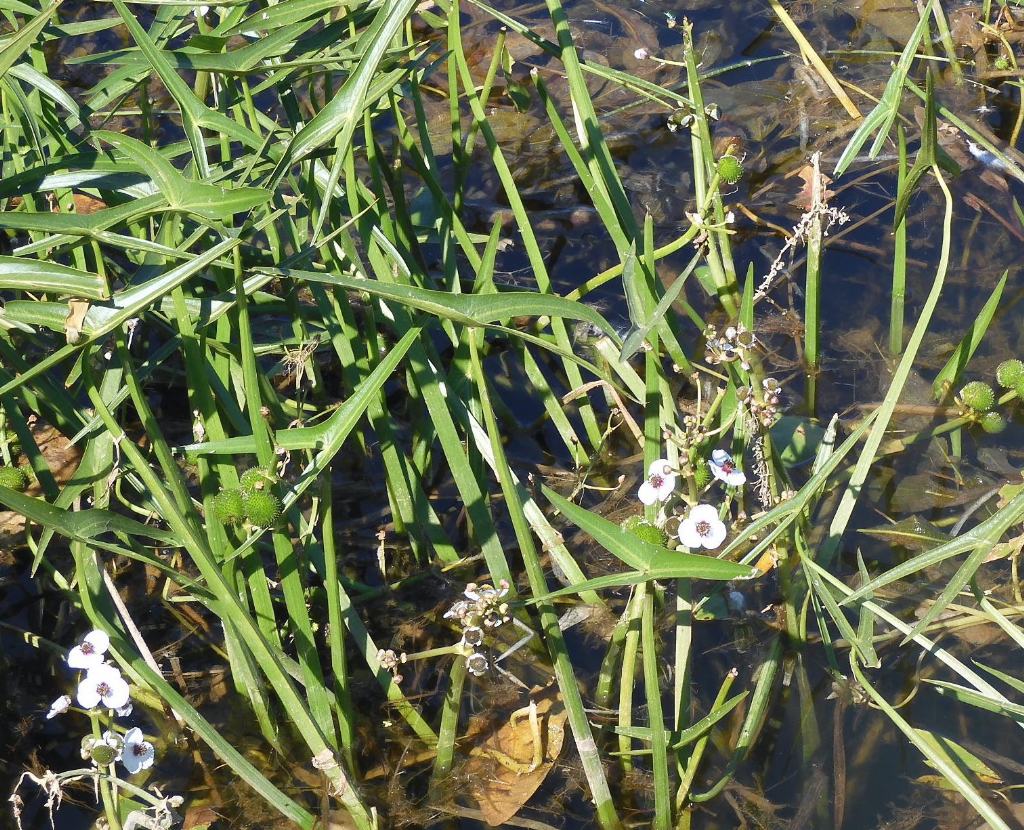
(777, 111)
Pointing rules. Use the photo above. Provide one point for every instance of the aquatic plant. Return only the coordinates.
(247, 244)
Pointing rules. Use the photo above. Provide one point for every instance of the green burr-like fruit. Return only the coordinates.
(1010, 374)
(730, 169)
(993, 422)
(256, 479)
(639, 526)
(13, 478)
(701, 474)
(978, 395)
(227, 507)
(262, 508)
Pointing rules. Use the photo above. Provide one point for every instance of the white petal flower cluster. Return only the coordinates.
(483, 608)
(103, 686)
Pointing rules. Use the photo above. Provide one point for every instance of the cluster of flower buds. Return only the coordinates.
(390, 661)
(102, 686)
(766, 410)
(736, 343)
(483, 607)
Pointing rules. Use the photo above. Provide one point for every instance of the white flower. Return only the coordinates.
(472, 636)
(201, 11)
(103, 684)
(59, 707)
(477, 664)
(661, 482)
(138, 753)
(724, 469)
(702, 528)
(90, 652)
(125, 710)
(486, 593)
(641, 54)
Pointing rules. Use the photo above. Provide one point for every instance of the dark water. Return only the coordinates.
(780, 113)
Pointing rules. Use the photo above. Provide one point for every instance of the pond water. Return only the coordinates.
(778, 111)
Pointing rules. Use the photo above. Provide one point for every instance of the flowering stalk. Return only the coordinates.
(107, 784)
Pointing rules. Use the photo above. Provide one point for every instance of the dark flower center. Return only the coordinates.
(703, 528)
(102, 689)
(87, 648)
(140, 749)
(657, 480)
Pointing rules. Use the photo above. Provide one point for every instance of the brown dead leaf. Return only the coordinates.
(61, 458)
(805, 197)
(77, 310)
(199, 818)
(499, 769)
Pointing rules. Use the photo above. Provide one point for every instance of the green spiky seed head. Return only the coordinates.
(639, 526)
(13, 478)
(978, 395)
(701, 474)
(730, 169)
(262, 508)
(256, 479)
(993, 423)
(1010, 374)
(227, 507)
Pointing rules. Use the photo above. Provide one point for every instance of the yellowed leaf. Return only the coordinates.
(77, 310)
(501, 772)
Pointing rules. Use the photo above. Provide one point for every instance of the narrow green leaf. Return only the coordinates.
(657, 562)
(950, 374)
(24, 274)
(13, 47)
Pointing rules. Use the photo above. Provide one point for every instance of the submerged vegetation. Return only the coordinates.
(388, 441)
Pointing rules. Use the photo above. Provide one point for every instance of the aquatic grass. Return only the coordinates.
(274, 272)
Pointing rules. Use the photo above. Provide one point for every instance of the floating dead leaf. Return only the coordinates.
(507, 768)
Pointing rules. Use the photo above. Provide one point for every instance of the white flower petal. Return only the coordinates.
(703, 513)
(735, 478)
(666, 488)
(688, 534)
(125, 710)
(715, 536)
(98, 640)
(647, 494)
(659, 467)
(80, 659)
(118, 693)
(87, 695)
